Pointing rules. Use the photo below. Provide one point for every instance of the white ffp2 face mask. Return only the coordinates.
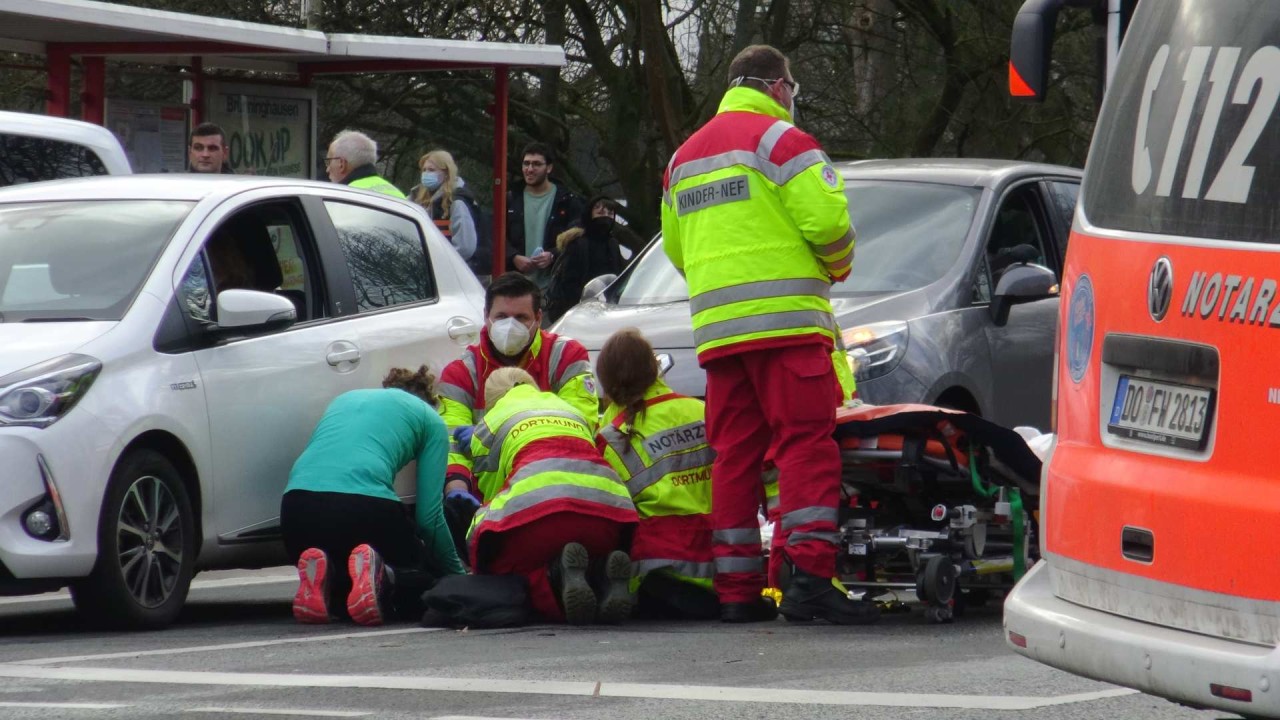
(509, 336)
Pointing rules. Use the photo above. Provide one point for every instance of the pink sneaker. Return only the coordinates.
(368, 580)
(311, 604)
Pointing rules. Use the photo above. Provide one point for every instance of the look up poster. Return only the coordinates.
(270, 129)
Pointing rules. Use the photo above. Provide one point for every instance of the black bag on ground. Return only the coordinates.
(478, 601)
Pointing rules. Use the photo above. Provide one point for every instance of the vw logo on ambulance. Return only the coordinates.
(1160, 289)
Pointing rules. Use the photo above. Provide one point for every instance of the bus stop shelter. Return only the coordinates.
(94, 32)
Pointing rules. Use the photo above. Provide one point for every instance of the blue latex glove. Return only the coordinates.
(463, 495)
(463, 436)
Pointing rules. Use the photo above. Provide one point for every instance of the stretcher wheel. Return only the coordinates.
(939, 581)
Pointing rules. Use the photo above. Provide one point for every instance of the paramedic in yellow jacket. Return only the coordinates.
(554, 511)
(656, 440)
(756, 217)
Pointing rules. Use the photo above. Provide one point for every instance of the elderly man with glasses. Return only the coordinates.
(537, 214)
(351, 160)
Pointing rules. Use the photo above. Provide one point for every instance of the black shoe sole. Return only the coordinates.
(617, 601)
(576, 596)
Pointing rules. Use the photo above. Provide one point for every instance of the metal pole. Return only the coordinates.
(197, 90)
(94, 93)
(500, 88)
(58, 65)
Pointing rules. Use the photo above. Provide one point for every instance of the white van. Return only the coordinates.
(39, 147)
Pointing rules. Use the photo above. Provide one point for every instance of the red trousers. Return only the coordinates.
(783, 398)
(529, 549)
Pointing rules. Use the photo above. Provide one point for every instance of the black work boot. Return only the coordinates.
(612, 584)
(809, 597)
(762, 609)
(568, 575)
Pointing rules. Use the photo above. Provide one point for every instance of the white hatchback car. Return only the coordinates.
(167, 345)
(40, 147)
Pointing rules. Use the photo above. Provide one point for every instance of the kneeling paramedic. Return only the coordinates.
(656, 440)
(554, 511)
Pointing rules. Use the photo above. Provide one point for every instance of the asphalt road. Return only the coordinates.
(237, 653)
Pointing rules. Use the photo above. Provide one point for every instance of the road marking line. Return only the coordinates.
(227, 646)
(63, 706)
(195, 585)
(647, 691)
(276, 711)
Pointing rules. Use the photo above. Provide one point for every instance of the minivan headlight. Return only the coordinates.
(37, 396)
(874, 350)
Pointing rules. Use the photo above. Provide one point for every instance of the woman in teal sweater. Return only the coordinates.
(341, 504)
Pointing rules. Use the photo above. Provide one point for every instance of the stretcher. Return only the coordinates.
(937, 501)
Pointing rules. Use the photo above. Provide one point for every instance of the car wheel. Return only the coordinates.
(146, 547)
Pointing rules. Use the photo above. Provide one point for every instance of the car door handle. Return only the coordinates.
(460, 328)
(341, 356)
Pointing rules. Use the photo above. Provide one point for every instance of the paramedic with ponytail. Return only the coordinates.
(656, 440)
(554, 511)
(756, 218)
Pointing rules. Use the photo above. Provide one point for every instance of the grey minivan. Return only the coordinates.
(952, 300)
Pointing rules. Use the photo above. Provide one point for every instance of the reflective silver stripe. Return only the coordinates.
(578, 369)
(469, 362)
(615, 438)
(772, 502)
(454, 447)
(492, 441)
(798, 164)
(837, 269)
(792, 319)
(565, 465)
(776, 174)
(799, 537)
(758, 290)
(456, 394)
(645, 479)
(815, 514)
(771, 138)
(838, 245)
(557, 349)
(559, 491)
(736, 536)
(706, 570)
(739, 565)
(619, 443)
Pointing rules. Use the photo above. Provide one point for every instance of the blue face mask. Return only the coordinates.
(431, 179)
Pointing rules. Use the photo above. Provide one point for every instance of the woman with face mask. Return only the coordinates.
(587, 252)
(448, 201)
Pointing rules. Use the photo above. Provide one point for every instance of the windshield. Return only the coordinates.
(79, 260)
(909, 235)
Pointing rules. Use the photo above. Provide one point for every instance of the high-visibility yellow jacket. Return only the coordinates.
(664, 459)
(558, 364)
(756, 217)
(536, 455)
(377, 184)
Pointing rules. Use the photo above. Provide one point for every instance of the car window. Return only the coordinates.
(259, 248)
(908, 235)
(1018, 234)
(1063, 195)
(80, 259)
(25, 159)
(386, 255)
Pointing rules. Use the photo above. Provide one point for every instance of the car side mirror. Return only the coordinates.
(254, 309)
(597, 285)
(1021, 283)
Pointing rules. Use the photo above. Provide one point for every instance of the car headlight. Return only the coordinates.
(37, 396)
(875, 350)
